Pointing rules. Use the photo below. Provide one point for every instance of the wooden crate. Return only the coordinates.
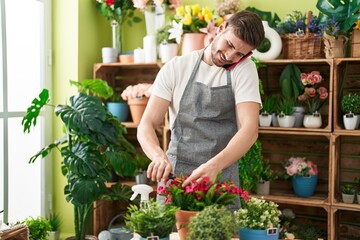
(278, 147)
(347, 75)
(355, 44)
(346, 225)
(270, 75)
(17, 232)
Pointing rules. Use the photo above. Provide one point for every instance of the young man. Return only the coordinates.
(213, 100)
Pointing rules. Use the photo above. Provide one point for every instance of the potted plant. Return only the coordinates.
(118, 107)
(348, 193)
(268, 108)
(357, 187)
(137, 97)
(168, 48)
(350, 106)
(291, 88)
(142, 162)
(38, 228)
(214, 222)
(304, 174)
(286, 116)
(314, 97)
(265, 175)
(341, 17)
(254, 224)
(155, 220)
(55, 223)
(94, 140)
(195, 197)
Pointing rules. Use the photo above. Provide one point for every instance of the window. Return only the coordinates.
(24, 71)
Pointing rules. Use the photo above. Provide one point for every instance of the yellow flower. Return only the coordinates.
(208, 17)
(357, 25)
(195, 9)
(188, 9)
(180, 11)
(219, 21)
(187, 20)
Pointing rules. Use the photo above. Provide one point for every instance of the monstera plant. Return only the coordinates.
(94, 140)
(345, 12)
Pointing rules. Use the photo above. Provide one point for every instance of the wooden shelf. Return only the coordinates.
(347, 206)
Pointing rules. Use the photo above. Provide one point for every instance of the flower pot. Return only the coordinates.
(252, 234)
(54, 235)
(334, 48)
(192, 42)
(274, 120)
(168, 51)
(348, 198)
(182, 221)
(119, 110)
(275, 44)
(350, 121)
(312, 120)
(263, 188)
(286, 121)
(137, 107)
(265, 119)
(304, 186)
(141, 178)
(299, 116)
(154, 18)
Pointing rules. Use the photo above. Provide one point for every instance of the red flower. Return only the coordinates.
(110, 2)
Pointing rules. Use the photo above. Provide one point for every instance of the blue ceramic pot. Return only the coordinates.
(252, 234)
(304, 186)
(119, 110)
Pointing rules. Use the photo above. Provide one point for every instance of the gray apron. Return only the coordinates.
(204, 125)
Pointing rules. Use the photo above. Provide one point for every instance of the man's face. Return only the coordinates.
(228, 49)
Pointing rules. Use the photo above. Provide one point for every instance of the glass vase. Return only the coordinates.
(154, 18)
(116, 35)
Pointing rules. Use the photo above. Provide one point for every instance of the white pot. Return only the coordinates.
(275, 44)
(312, 120)
(168, 51)
(54, 235)
(348, 198)
(286, 121)
(358, 121)
(265, 119)
(263, 188)
(350, 121)
(299, 116)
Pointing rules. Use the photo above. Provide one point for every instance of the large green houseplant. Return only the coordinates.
(94, 143)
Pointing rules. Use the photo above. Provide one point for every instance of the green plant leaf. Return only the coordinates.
(34, 110)
(122, 162)
(96, 86)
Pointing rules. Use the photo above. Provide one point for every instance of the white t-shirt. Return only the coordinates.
(173, 77)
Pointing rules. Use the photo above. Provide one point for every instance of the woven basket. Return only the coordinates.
(305, 46)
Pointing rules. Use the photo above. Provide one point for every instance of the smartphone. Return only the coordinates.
(231, 66)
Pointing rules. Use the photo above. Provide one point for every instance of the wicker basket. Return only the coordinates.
(302, 47)
(18, 232)
(305, 46)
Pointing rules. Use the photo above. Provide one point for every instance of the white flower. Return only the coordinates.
(176, 31)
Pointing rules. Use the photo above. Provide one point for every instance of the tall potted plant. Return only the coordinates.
(94, 140)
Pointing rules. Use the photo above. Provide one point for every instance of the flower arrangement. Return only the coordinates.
(313, 96)
(332, 28)
(117, 10)
(226, 7)
(295, 22)
(197, 196)
(258, 214)
(299, 166)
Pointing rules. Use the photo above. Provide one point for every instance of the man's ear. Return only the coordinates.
(222, 27)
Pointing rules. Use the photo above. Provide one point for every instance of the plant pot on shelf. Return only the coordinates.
(350, 121)
(137, 107)
(286, 121)
(119, 110)
(265, 119)
(274, 120)
(192, 42)
(334, 48)
(299, 116)
(252, 234)
(54, 235)
(312, 120)
(304, 186)
(263, 188)
(348, 198)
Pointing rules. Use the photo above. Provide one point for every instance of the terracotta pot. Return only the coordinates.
(182, 221)
(137, 107)
(192, 42)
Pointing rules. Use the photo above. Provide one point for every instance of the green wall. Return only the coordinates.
(79, 33)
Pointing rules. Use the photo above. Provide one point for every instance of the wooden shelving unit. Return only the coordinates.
(334, 149)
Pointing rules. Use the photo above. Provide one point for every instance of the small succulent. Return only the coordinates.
(348, 189)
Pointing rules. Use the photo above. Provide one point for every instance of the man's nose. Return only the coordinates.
(231, 56)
